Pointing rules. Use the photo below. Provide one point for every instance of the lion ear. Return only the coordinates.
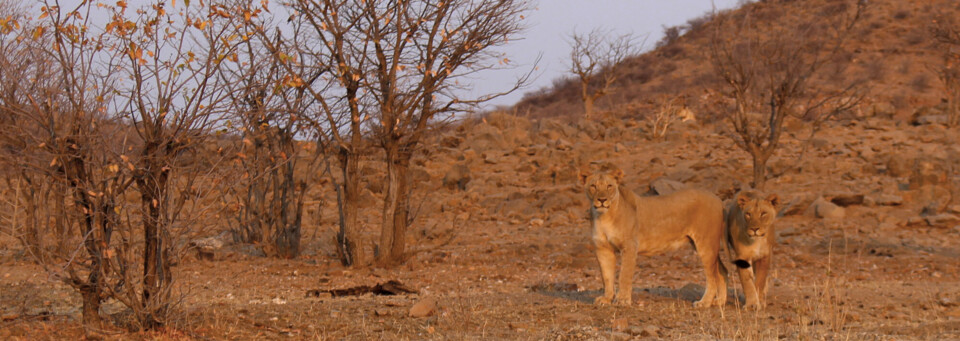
(583, 174)
(617, 174)
(774, 200)
(742, 199)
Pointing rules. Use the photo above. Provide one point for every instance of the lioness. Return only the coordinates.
(751, 238)
(630, 224)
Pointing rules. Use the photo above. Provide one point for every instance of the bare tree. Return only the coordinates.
(596, 59)
(396, 63)
(420, 54)
(947, 33)
(271, 201)
(63, 146)
(173, 99)
(771, 70)
(323, 55)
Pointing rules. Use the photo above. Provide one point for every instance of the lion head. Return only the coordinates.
(758, 212)
(602, 188)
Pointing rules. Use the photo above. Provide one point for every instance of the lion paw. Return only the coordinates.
(623, 302)
(602, 300)
(703, 303)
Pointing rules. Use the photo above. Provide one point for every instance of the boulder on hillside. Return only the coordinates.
(484, 137)
(847, 199)
(899, 165)
(457, 177)
(664, 186)
(827, 210)
(505, 121)
(553, 129)
(927, 171)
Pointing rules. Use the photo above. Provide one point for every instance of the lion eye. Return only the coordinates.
(746, 215)
(763, 214)
(609, 186)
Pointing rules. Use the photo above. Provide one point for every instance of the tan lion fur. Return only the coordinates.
(625, 222)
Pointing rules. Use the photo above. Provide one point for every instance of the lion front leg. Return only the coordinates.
(628, 265)
(608, 266)
(750, 291)
(761, 268)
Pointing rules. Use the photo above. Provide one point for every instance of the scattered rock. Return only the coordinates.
(845, 200)
(884, 110)
(485, 137)
(457, 177)
(797, 205)
(620, 324)
(451, 141)
(691, 292)
(927, 172)
(650, 331)
(526, 168)
(942, 220)
(536, 222)
(931, 199)
(664, 186)
(425, 307)
(827, 210)
(619, 147)
(555, 287)
(207, 247)
(887, 200)
(619, 336)
(898, 165)
(561, 144)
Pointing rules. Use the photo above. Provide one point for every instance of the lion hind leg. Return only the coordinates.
(716, 291)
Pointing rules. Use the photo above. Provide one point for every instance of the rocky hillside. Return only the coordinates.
(891, 48)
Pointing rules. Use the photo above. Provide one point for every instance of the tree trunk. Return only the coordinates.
(90, 295)
(588, 105)
(348, 239)
(287, 238)
(156, 269)
(394, 218)
(759, 170)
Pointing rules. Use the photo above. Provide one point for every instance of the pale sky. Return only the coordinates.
(551, 22)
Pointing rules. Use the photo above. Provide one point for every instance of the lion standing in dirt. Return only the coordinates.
(751, 238)
(630, 224)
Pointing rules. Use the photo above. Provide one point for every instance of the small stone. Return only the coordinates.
(888, 200)
(845, 200)
(943, 219)
(650, 330)
(828, 210)
(536, 222)
(620, 324)
(664, 186)
(619, 147)
(619, 336)
(423, 308)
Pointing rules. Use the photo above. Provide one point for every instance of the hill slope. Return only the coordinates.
(892, 49)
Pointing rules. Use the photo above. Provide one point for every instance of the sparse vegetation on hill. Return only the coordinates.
(891, 47)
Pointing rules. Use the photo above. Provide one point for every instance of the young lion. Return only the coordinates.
(751, 238)
(630, 224)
